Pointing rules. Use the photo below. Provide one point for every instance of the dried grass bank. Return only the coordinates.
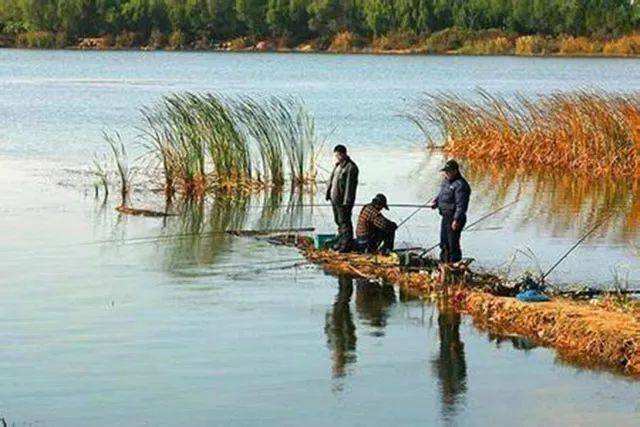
(596, 333)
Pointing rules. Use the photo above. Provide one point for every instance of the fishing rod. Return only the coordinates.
(257, 265)
(476, 222)
(420, 207)
(203, 234)
(329, 205)
(153, 239)
(575, 245)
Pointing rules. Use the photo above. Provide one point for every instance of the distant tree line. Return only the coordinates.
(306, 19)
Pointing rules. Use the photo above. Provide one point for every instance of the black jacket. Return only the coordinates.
(347, 183)
(453, 198)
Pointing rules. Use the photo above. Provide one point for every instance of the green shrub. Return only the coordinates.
(127, 40)
(202, 43)
(157, 40)
(446, 40)
(536, 45)
(36, 39)
(396, 40)
(345, 42)
(497, 46)
(177, 40)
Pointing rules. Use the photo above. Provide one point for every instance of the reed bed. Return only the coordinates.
(208, 142)
(588, 132)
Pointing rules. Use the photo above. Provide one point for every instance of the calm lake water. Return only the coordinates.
(99, 328)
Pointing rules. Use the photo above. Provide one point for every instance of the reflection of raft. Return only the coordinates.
(595, 333)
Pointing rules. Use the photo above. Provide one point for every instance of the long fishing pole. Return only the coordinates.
(204, 234)
(476, 222)
(420, 207)
(575, 245)
(328, 205)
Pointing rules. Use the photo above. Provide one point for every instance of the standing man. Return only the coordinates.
(452, 203)
(342, 194)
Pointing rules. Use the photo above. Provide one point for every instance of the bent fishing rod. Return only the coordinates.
(575, 245)
(476, 222)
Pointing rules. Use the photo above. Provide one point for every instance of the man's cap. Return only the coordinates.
(380, 200)
(450, 166)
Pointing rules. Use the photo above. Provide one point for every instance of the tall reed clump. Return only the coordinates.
(589, 132)
(624, 46)
(209, 142)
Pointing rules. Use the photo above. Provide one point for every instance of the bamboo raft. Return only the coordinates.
(594, 333)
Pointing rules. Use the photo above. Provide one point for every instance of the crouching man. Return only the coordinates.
(375, 232)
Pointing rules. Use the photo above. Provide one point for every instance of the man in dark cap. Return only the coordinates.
(342, 194)
(452, 203)
(374, 229)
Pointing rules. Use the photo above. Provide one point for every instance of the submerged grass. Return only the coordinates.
(207, 142)
(589, 132)
(123, 167)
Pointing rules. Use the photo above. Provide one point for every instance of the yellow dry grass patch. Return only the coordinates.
(579, 332)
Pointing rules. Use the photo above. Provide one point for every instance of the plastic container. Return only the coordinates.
(322, 241)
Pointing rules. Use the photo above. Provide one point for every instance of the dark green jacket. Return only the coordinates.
(347, 180)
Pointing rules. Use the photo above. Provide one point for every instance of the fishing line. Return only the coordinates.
(476, 222)
(575, 245)
(420, 207)
(223, 268)
(153, 239)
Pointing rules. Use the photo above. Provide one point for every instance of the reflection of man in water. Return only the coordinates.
(450, 364)
(373, 302)
(340, 330)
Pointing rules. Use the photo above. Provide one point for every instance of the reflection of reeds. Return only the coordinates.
(205, 141)
(202, 226)
(588, 132)
(204, 229)
(560, 202)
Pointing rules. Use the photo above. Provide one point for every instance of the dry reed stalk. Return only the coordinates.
(589, 132)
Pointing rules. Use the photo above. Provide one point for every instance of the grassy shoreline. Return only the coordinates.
(452, 41)
(600, 333)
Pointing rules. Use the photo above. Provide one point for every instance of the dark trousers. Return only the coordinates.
(342, 217)
(386, 238)
(450, 250)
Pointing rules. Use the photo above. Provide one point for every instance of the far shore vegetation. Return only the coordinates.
(475, 27)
